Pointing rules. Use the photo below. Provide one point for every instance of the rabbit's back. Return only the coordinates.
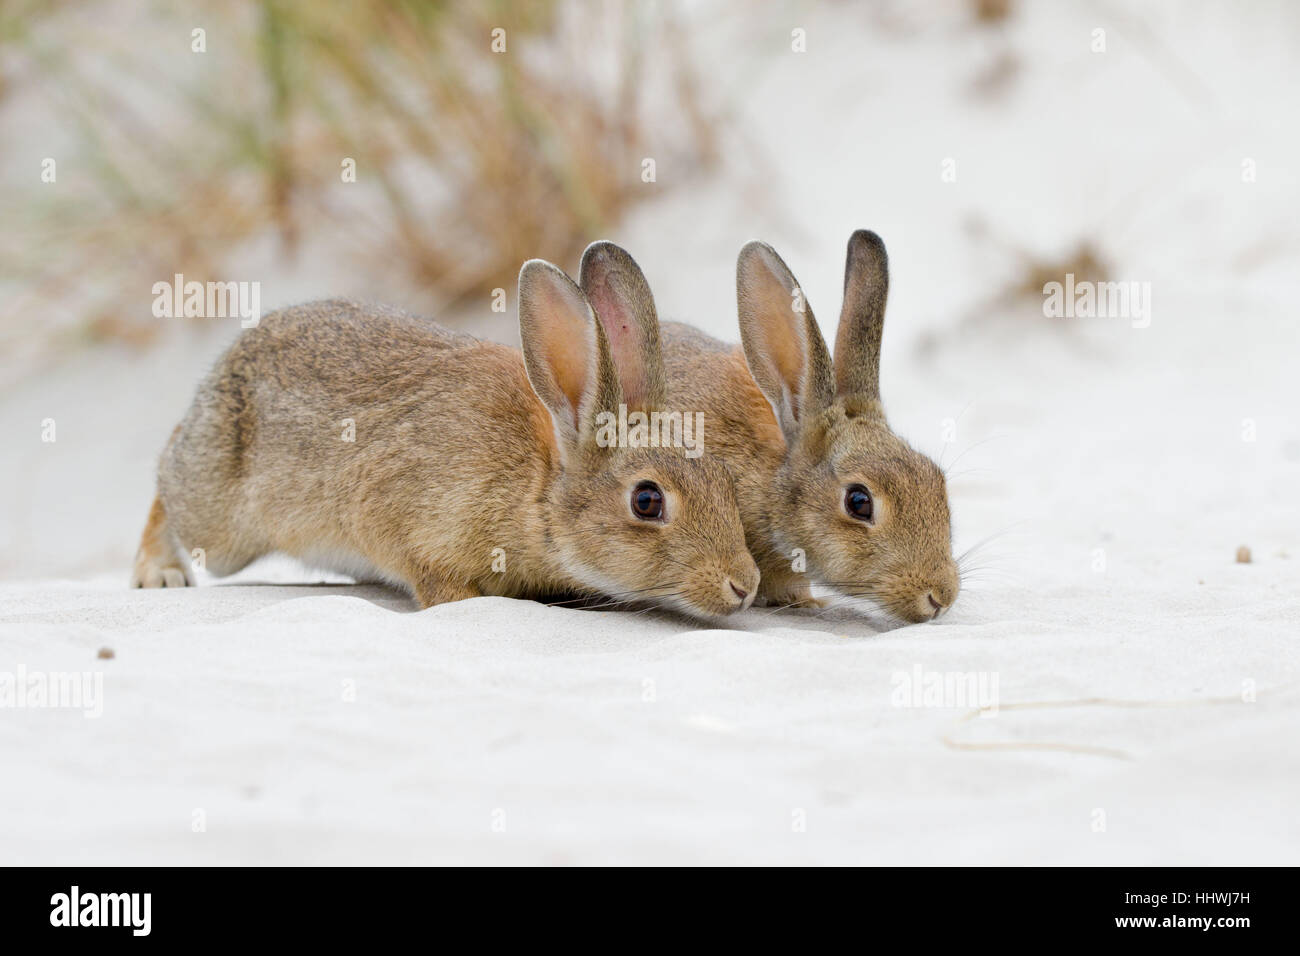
(332, 424)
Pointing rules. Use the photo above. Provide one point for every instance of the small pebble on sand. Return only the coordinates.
(1243, 555)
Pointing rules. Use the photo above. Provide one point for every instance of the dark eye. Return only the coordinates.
(648, 501)
(857, 502)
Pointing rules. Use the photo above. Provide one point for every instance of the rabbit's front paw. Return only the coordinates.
(799, 597)
(806, 600)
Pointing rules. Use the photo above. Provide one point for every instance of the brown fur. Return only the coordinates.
(461, 447)
(797, 430)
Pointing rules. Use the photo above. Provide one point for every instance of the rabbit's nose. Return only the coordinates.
(942, 594)
(931, 604)
(742, 595)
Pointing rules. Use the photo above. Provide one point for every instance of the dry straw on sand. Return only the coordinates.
(468, 161)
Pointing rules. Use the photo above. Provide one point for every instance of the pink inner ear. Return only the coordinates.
(779, 329)
(565, 340)
(623, 333)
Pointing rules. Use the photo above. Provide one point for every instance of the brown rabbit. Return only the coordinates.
(366, 440)
(818, 471)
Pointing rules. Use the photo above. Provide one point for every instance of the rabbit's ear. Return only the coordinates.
(565, 353)
(620, 296)
(857, 344)
(783, 346)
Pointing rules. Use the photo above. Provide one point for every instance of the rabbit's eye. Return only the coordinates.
(648, 501)
(858, 503)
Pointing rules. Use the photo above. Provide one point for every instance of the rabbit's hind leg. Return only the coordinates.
(158, 563)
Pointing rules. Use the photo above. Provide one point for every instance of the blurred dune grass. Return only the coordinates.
(468, 161)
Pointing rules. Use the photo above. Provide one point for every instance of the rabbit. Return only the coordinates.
(817, 467)
(362, 439)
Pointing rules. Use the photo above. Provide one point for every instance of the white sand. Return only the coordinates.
(1145, 680)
